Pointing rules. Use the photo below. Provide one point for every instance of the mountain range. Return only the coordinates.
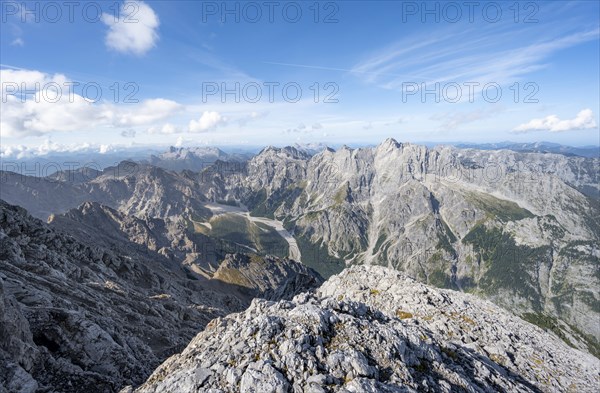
(537, 147)
(184, 239)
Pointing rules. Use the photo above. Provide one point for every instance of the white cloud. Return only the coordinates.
(134, 30)
(245, 119)
(149, 111)
(207, 122)
(303, 128)
(181, 141)
(18, 42)
(105, 149)
(166, 129)
(19, 152)
(42, 111)
(583, 120)
(28, 78)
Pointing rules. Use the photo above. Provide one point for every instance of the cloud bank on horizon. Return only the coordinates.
(340, 72)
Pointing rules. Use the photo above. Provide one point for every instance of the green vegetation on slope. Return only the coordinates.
(317, 257)
(552, 324)
(440, 279)
(342, 195)
(500, 209)
(445, 239)
(380, 240)
(508, 265)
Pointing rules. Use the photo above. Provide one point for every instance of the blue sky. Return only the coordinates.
(368, 61)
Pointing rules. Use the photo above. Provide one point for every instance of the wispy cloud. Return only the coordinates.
(368, 74)
(303, 128)
(497, 54)
(17, 42)
(452, 120)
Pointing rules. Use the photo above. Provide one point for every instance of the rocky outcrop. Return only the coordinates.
(18, 352)
(79, 313)
(372, 329)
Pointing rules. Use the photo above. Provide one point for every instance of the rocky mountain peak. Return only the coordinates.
(390, 143)
(269, 148)
(371, 329)
(311, 148)
(287, 151)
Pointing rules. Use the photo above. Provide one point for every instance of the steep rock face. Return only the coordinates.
(372, 329)
(96, 317)
(169, 237)
(518, 228)
(86, 314)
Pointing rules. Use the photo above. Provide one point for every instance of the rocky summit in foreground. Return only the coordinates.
(371, 329)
